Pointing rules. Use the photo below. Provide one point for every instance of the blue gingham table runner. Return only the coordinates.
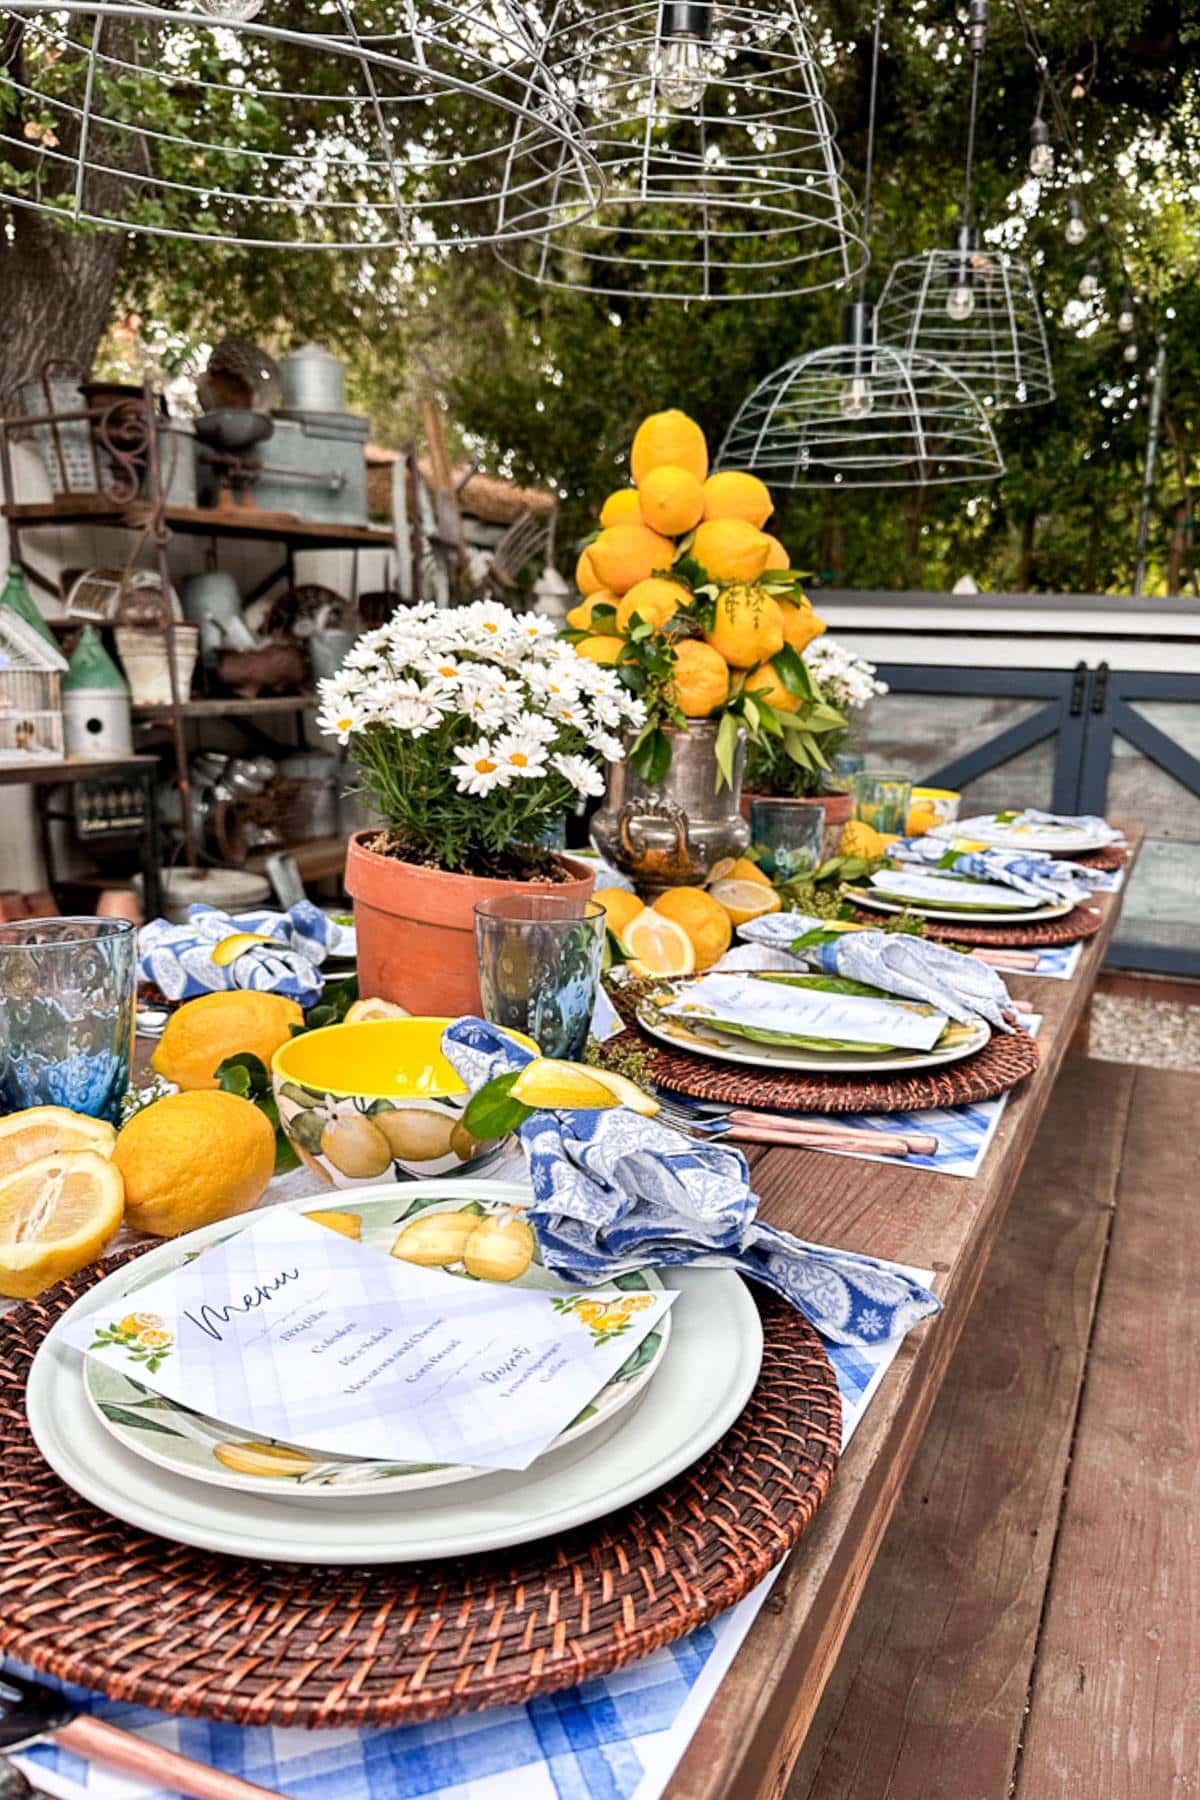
(616, 1738)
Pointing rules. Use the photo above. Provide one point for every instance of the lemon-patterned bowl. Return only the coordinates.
(366, 1101)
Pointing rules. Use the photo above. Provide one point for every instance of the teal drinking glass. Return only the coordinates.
(539, 967)
(68, 994)
(787, 835)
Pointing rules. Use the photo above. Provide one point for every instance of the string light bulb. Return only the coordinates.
(1076, 227)
(1041, 150)
(1130, 352)
(684, 35)
(1089, 281)
(1125, 318)
(857, 397)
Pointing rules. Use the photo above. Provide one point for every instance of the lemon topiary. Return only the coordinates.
(777, 556)
(580, 617)
(748, 627)
(700, 682)
(800, 623)
(764, 683)
(730, 494)
(730, 549)
(671, 499)
(653, 601)
(623, 555)
(622, 508)
(668, 437)
(601, 648)
(586, 578)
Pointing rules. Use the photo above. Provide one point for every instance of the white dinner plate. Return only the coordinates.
(705, 1379)
(1064, 840)
(1034, 916)
(709, 1040)
(192, 1444)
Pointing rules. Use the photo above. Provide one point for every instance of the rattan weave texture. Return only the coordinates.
(1082, 922)
(90, 1600)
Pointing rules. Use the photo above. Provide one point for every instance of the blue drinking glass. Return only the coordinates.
(788, 834)
(68, 993)
(539, 967)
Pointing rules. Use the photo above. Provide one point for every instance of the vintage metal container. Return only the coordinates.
(313, 381)
(315, 466)
(675, 833)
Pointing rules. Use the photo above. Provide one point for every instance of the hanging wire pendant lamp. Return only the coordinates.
(371, 129)
(972, 307)
(722, 174)
(860, 414)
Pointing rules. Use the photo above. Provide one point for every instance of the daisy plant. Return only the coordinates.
(474, 730)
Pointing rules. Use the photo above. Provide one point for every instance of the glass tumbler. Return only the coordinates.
(68, 992)
(881, 798)
(539, 967)
(789, 835)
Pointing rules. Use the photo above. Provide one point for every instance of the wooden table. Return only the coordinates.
(752, 1731)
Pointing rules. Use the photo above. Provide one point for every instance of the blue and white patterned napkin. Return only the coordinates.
(615, 1192)
(910, 967)
(178, 958)
(1029, 872)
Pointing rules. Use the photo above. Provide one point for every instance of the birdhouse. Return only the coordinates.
(31, 670)
(95, 700)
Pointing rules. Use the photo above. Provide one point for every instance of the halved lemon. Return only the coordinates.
(744, 900)
(373, 1009)
(230, 948)
(43, 1130)
(562, 1087)
(627, 1092)
(657, 945)
(56, 1215)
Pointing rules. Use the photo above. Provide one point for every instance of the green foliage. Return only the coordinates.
(247, 1076)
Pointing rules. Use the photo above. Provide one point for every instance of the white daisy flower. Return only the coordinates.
(582, 775)
(341, 721)
(478, 769)
(607, 746)
(522, 755)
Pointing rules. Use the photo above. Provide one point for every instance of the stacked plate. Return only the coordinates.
(948, 896)
(197, 1480)
(679, 1013)
(1013, 831)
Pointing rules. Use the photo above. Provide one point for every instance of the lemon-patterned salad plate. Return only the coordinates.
(473, 1230)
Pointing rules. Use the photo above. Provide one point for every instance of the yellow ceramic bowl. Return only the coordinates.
(363, 1102)
(928, 807)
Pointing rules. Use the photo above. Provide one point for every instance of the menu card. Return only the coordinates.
(908, 884)
(808, 1012)
(291, 1331)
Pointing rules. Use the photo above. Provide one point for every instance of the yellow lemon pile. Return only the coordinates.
(677, 510)
(687, 929)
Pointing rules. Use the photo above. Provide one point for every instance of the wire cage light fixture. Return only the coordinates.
(859, 414)
(972, 307)
(376, 127)
(722, 174)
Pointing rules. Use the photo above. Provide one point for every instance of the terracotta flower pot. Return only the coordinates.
(416, 927)
(838, 811)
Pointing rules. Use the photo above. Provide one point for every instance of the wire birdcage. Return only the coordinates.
(723, 179)
(376, 127)
(862, 415)
(976, 311)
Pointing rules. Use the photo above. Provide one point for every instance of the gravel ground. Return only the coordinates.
(1159, 1034)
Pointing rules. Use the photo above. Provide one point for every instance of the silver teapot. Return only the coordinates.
(674, 833)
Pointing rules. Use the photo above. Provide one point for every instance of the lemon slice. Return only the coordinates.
(373, 1009)
(744, 900)
(562, 1087)
(627, 1092)
(43, 1130)
(657, 945)
(56, 1215)
(720, 870)
(230, 948)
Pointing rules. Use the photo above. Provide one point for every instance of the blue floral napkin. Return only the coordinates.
(613, 1192)
(1039, 876)
(911, 968)
(178, 958)
(1029, 818)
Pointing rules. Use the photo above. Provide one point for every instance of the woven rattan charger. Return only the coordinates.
(1080, 922)
(90, 1600)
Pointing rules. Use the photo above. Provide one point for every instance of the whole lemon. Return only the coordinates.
(700, 682)
(600, 649)
(800, 623)
(764, 683)
(580, 617)
(193, 1158)
(586, 578)
(623, 555)
(671, 499)
(777, 557)
(204, 1032)
(730, 549)
(748, 627)
(620, 907)
(732, 495)
(668, 437)
(706, 922)
(622, 508)
(653, 601)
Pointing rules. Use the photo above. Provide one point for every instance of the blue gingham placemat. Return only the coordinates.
(615, 1738)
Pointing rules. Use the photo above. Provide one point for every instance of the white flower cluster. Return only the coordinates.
(534, 703)
(846, 679)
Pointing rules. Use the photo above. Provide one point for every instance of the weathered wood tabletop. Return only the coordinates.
(752, 1731)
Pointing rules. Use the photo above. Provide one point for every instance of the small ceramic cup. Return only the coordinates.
(928, 807)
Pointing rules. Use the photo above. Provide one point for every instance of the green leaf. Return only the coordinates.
(491, 1111)
(792, 671)
(244, 1075)
(727, 738)
(651, 755)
